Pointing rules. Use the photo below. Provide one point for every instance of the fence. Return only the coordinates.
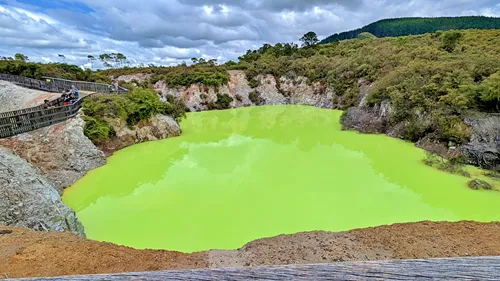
(57, 85)
(29, 119)
(28, 82)
(62, 84)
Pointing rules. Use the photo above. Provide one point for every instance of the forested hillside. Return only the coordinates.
(415, 26)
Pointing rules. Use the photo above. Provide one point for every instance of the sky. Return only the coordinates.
(168, 32)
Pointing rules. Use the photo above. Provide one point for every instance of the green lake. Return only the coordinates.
(244, 174)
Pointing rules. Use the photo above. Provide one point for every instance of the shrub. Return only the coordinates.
(239, 98)
(97, 130)
(146, 104)
(255, 98)
(455, 165)
(223, 101)
(477, 184)
(139, 104)
(176, 109)
(253, 83)
(450, 40)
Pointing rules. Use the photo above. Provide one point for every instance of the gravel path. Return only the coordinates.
(13, 97)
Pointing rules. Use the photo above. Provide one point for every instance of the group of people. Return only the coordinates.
(114, 86)
(67, 97)
(70, 96)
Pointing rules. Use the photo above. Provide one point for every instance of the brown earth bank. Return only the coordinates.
(27, 253)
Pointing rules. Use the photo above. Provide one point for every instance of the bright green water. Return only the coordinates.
(239, 175)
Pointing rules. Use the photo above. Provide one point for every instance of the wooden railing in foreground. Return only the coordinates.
(29, 119)
(57, 85)
(478, 268)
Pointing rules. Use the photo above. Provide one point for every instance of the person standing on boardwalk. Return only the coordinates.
(75, 92)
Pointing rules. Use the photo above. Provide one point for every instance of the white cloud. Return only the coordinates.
(171, 31)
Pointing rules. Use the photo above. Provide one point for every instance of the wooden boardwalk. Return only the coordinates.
(474, 268)
(29, 119)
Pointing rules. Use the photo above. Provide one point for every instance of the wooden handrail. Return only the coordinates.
(29, 119)
(474, 268)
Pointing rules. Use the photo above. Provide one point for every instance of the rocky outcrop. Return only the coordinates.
(29, 200)
(285, 90)
(483, 150)
(156, 128)
(139, 77)
(61, 152)
(373, 120)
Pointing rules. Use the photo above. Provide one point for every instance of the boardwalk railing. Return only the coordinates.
(57, 85)
(29, 82)
(29, 119)
(478, 268)
(63, 84)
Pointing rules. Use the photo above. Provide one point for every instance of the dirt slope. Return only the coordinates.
(25, 253)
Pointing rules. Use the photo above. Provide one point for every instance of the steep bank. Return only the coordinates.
(23, 252)
(29, 200)
(61, 151)
(53, 158)
(155, 128)
(269, 91)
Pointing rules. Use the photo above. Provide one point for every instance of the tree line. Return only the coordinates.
(414, 26)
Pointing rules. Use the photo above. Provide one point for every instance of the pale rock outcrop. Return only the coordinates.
(61, 151)
(139, 77)
(483, 150)
(29, 200)
(156, 128)
(286, 90)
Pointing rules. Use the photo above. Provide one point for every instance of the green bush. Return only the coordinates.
(450, 40)
(223, 101)
(97, 130)
(140, 104)
(255, 98)
(454, 165)
(146, 104)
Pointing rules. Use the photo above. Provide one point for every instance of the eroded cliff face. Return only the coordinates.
(61, 152)
(484, 148)
(156, 128)
(29, 200)
(269, 92)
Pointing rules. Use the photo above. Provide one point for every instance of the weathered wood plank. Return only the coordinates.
(478, 268)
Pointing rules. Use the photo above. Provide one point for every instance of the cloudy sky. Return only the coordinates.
(167, 32)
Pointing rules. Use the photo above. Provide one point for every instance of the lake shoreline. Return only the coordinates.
(25, 252)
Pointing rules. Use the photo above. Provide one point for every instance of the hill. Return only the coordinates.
(415, 26)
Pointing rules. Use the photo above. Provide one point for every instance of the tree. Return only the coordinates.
(21, 57)
(309, 39)
(62, 57)
(490, 90)
(106, 60)
(91, 60)
(120, 59)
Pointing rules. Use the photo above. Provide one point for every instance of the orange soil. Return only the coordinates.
(26, 253)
